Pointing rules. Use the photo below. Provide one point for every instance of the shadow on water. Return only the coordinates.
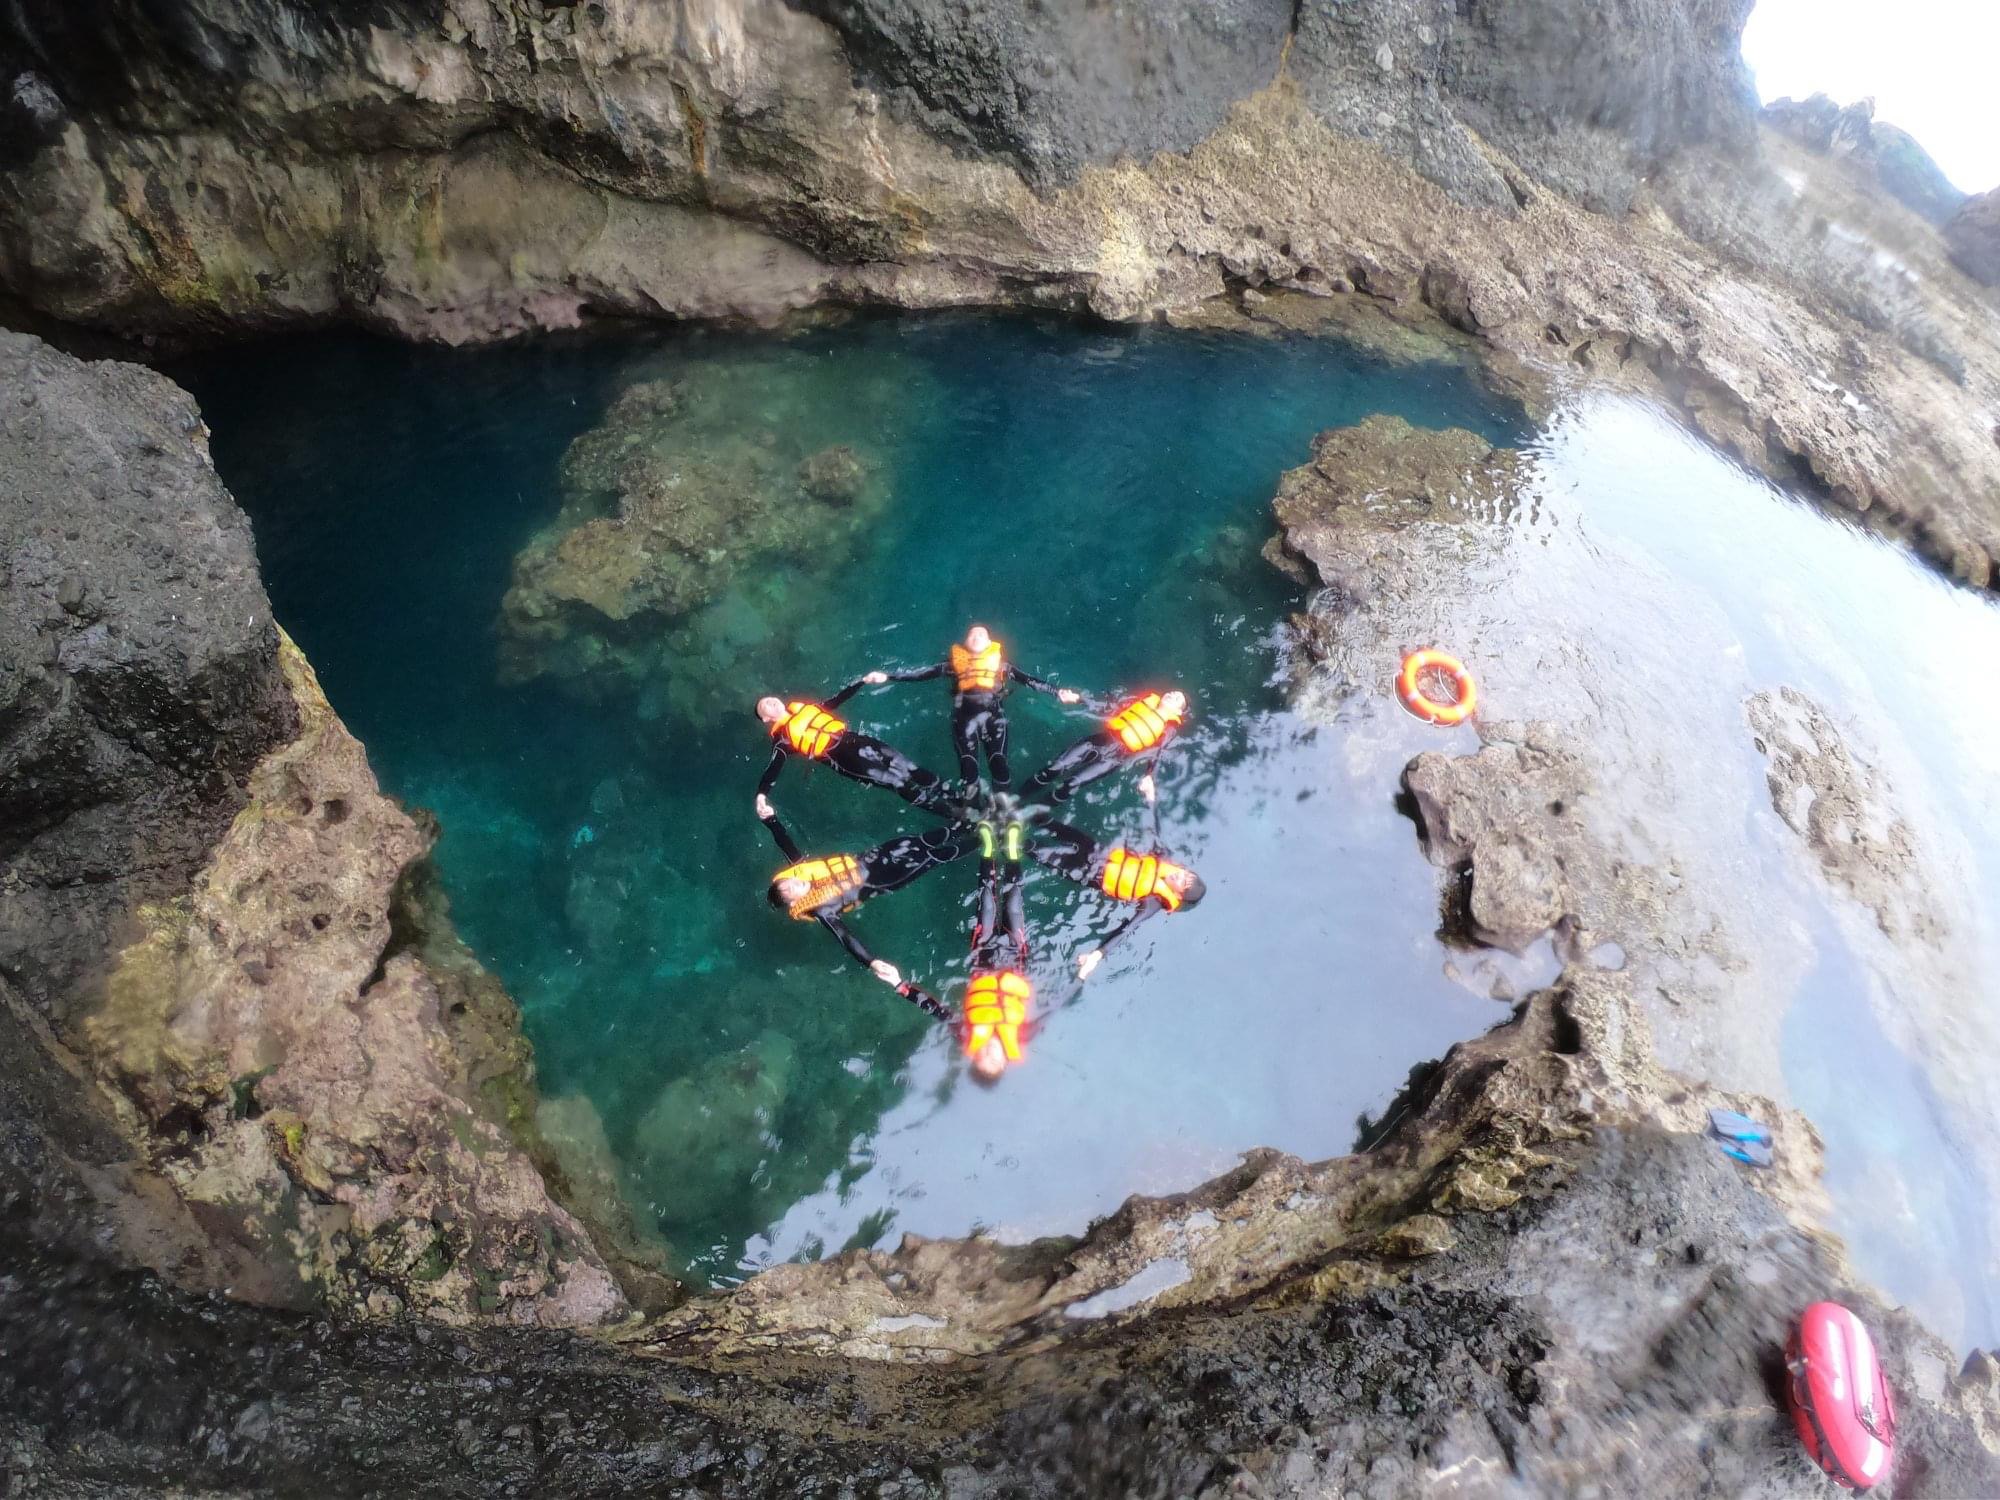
(1100, 498)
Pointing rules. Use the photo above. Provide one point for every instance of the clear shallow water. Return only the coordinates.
(1100, 498)
(1654, 589)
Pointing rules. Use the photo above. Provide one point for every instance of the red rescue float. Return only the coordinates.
(1432, 663)
(1840, 1400)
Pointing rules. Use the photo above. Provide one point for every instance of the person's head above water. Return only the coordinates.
(771, 708)
(786, 889)
(990, 1062)
(1174, 704)
(977, 639)
(1189, 886)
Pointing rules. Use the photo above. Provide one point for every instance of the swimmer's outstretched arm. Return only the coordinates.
(768, 816)
(912, 674)
(868, 679)
(883, 970)
(1030, 680)
(1086, 963)
(770, 777)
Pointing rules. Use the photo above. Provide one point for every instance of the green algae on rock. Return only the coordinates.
(704, 490)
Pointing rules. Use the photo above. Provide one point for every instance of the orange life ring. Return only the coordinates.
(1420, 703)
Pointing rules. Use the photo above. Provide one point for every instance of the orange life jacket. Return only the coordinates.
(835, 878)
(996, 1005)
(810, 729)
(981, 673)
(1134, 877)
(1142, 723)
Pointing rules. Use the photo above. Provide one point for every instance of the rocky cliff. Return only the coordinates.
(291, 1083)
(246, 1023)
(1585, 188)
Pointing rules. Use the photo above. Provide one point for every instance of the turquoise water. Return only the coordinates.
(1099, 497)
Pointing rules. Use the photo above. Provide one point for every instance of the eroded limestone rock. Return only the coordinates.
(1342, 517)
(294, 1052)
(312, 1091)
(1840, 806)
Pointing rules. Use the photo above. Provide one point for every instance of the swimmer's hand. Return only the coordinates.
(887, 972)
(1087, 964)
(1068, 695)
(1147, 789)
(765, 811)
(876, 679)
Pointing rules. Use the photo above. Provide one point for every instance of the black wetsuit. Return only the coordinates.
(978, 719)
(1002, 917)
(887, 867)
(1076, 856)
(1091, 758)
(1000, 933)
(863, 758)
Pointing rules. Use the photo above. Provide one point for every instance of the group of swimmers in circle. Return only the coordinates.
(983, 814)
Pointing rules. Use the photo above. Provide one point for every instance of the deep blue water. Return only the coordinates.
(1099, 497)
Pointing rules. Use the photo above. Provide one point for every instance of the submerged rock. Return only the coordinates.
(709, 1132)
(1342, 516)
(698, 494)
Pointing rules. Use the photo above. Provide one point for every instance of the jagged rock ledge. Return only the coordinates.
(467, 171)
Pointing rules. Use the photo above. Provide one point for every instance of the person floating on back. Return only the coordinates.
(1153, 883)
(1142, 726)
(980, 674)
(812, 730)
(823, 890)
(997, 999)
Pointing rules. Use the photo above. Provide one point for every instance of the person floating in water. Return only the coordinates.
(1155, 884)
(995, 1020)
(811, 730)
(1141, 727)
(980, 674)
(823, 890)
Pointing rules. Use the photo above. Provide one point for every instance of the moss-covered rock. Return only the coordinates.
(717, 488)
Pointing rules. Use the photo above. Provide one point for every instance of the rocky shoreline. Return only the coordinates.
(265, 1113)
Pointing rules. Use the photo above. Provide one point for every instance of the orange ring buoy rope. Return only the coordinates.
(1409, 687)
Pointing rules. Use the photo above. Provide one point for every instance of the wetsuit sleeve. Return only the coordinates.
(783, 839)
(920, 674)
(845, 693)
(843, 934)
(924, 1000)
(1029, 679)
(1124, 928)
(771, 771)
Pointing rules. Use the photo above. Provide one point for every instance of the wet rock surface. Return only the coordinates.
(1973, 234)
